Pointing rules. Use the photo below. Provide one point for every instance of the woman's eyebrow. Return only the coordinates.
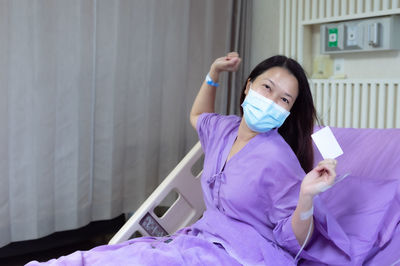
(271, 81)
(287, 94)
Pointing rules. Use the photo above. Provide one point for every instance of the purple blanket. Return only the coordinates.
(367, 203)
(251, 197)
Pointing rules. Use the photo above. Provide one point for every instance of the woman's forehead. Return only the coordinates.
(276, 72)
(280, 78)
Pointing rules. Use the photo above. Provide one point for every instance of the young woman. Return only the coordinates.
(255, 165)
(262, 207)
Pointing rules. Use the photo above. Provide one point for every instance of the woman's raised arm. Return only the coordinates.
(205, 99)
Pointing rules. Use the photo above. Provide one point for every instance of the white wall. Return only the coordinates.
(265, 30)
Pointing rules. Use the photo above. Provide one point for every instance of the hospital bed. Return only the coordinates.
(187, 208)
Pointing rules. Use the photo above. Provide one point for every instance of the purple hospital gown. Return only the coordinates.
(249, 202)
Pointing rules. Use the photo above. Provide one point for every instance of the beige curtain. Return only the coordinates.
(95, 98)
(239, 40)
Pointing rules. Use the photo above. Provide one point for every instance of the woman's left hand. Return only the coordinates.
(319, 179)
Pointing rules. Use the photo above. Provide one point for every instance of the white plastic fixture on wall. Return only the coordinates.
(357, 103)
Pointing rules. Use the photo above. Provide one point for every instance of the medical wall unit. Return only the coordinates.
(374, 34)
(354, 25)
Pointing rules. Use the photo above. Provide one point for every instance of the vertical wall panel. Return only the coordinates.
(282, 13)
(287, 27)
(328, 8)
(376, 5)
(321, 11)
(352, 7)
(294, 31)
(343, 7)
(336, 8)
(390, 106)
(367, 6)
(372, 105)
(381, 123)
(356, 106)
(307, 7)
(326, 104)
(385, 5)
(300, 39)
(397, 113)
(333, 102)
(348, 104)
(340, 105)
(314, 9)
(319, 95)
(360, 6)
(364, 110)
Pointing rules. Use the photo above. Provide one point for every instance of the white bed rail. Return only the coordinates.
(187, 208)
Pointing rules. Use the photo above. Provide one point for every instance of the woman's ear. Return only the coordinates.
(248, 83)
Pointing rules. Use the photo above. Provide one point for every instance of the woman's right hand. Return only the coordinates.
(205, 99)
(229, 63)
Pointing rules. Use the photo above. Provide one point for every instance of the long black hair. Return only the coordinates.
(298, 127)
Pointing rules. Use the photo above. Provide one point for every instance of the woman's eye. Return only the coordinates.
(267, 87)
(285, 100)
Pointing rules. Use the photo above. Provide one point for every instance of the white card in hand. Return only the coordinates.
(327, 143)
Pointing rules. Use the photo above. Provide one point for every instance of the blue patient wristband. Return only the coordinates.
(210, 82)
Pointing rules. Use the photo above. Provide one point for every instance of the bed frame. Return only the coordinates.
(185, 210)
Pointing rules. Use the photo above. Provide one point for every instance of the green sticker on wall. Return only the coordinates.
(333, 37)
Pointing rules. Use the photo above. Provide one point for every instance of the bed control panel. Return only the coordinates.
(151, 226)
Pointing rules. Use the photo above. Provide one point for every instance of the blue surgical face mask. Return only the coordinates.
(261, 114)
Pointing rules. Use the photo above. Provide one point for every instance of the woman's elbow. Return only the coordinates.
(193, 120)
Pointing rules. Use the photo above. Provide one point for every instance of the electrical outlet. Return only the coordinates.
(338, 66)
(351, 38)
(338, 69)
